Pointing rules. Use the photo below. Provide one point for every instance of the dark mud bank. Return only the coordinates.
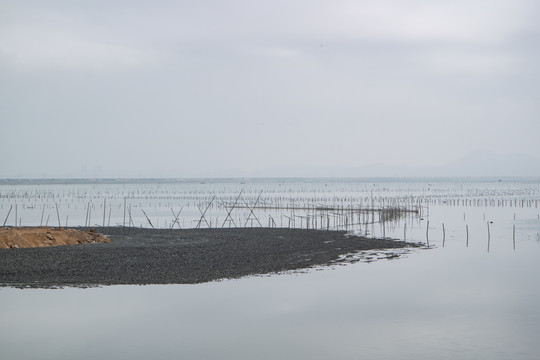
(162, 256)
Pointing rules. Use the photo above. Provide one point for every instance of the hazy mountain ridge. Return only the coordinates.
(477, 164)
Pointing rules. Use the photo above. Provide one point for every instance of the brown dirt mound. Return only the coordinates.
(13, 238)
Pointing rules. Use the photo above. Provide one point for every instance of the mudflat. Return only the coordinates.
(164, 256)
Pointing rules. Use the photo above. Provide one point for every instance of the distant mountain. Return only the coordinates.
(484, 163)
(481, 163)
(478, 164)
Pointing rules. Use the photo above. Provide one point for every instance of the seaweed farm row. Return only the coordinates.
(436, 212)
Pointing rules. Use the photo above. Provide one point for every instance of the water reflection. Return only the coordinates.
(441, 303)
(454, 302)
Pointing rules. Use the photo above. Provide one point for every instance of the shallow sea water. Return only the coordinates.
(448, 302)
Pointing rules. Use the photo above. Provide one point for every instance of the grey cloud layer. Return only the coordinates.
(230, 87)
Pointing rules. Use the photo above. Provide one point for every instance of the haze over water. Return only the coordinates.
(460, 300)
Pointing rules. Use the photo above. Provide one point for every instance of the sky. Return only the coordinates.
(264, 88)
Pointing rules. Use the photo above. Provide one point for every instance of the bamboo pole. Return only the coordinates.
(147, 219)
(489, 236)
(104, 210)
(58, 215)
(7, 216)
(42, 213)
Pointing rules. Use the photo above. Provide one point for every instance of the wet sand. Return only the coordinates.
(163, 256)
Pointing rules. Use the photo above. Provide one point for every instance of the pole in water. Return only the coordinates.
(9, 212)
(147, 219)
(489, 236)
(89, 214)
(104, 208)
(58, 215)
(467, 229)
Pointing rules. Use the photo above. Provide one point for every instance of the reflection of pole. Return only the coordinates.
(467, 229)
(514, 236)
(427, 233)
(443, 235)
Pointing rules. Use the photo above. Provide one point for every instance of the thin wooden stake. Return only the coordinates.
(42, 213)
(175, 221)
(467, 228)
(131, 223)
(104, 210)
(203, 213)
(489, 236)
(7, 216)
(86, 218)
(147, 219)
(230, 211)
(58, 215)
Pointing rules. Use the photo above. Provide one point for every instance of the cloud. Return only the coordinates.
(235, 83)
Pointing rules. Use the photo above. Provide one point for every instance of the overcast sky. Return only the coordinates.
(244, 88)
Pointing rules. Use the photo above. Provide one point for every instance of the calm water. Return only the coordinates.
(455, 301)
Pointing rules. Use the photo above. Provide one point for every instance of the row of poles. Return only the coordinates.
(317, 217)
(488, 223)
(342, 218)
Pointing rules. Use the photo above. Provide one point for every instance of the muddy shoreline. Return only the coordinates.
(163, 256)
